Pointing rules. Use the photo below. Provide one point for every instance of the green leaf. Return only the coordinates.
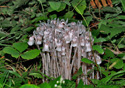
(2, 34)
(55, 5)
(96, 40)
(108, 53)
(87, 61)
(11, 51)
(88, 19)
(53, 82)
(69, 14)
(1, 86)
(39, 18)
(69, 84)
(53, 16)
(123, 4)
(14, 73)
(44, 85)
(29, 86)
(20, 46)
(108, 86)
(80, 85)
(30, 54)
(104, 29)
(118, 63)
(108, 78)
(62, 7)
(79, 6)
(98, 48)
(67, 2)
(36, 75)
(16, 28)
(29, 29)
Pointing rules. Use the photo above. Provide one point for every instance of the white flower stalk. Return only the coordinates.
(74, 42)
(31, 41)
(83, 52)
(71, 34)
(39, 40)
(46, 47)
(63, 51)
(82, 41)
(67, 38)
(58, 44)
(73, 23)
(60, 25)
(88, 46)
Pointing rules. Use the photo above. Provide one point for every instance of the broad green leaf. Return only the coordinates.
(88, 19)
(119, 64)
(81, 84)
(1, 86)
(123, 4)
(20, 46)
(87, 61)
(2, 34)
(36, 75)
(104, 29)
(69, 14)
(29, 86)
(108, 78)
(98, 48)
(50, 9)
(108, 53)
(30, 54)
(116, 63)
(14, 73)
(95, 32)
(67, 2)
(99, 40)
(11, 51)
(39, 18)
(44, 85)
(79, 6)
(53, 16)
(55, 5)
(62, 7)
(108, 86)
(115, 31)
(29, 29)
(121, 17)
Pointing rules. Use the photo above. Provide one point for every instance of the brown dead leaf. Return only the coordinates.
(98, 4)
(93, 4)
(109, 3)
(104, 3)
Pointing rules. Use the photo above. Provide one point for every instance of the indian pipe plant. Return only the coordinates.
(64, 45)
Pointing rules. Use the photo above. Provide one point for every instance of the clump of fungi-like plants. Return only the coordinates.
(64, 45)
